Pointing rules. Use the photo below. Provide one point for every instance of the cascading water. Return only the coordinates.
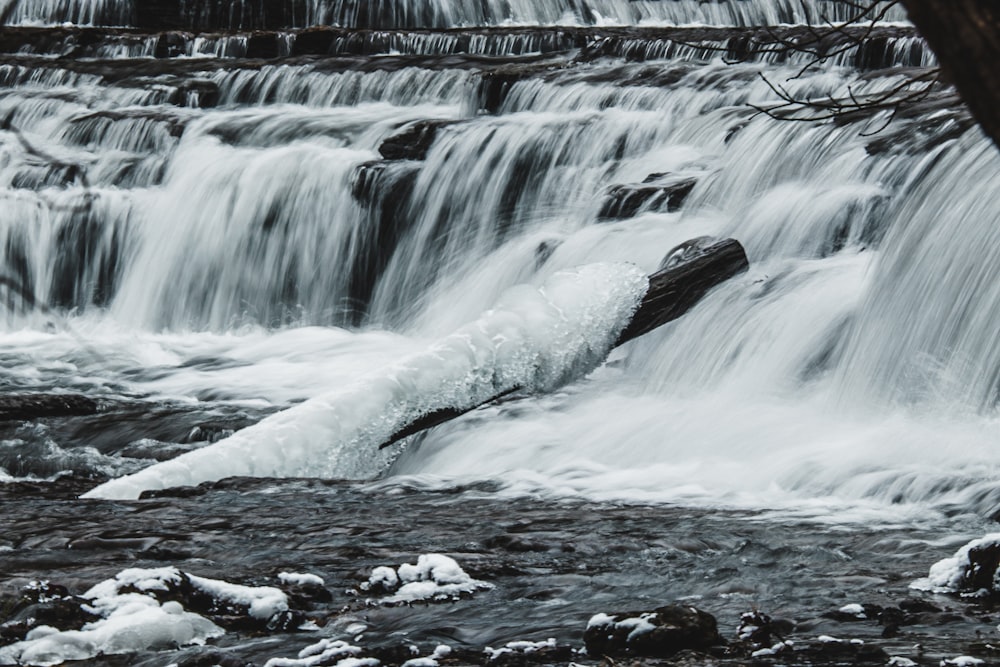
(224, 232)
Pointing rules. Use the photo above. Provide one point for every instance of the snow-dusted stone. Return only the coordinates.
(973, 570)
(433, 578)
(660, 633)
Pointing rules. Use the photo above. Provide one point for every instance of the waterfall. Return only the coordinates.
(220, 215)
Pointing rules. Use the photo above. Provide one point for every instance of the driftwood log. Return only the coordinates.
(685, 276)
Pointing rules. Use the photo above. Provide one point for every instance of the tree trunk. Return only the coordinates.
(965, 35)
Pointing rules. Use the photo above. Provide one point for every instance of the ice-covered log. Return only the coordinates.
(534, 340)
(686, 274)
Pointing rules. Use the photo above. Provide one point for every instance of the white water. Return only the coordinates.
(448, 13)
(855, 366)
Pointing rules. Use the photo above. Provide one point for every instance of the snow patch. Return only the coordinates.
(326, 652)
(854, 609)
(296, 579)
(520, 646)
(962, 661)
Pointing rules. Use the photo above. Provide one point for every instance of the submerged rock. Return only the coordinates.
(625, 201)
(414, 141)
(660, 633)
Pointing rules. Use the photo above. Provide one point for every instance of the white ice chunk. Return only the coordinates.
(382, 576)
(434, 577)
(297, 579)
(520, 646)
(853, 609)
(325, 652)
(962, 661)
(262, 601)
(534, 339)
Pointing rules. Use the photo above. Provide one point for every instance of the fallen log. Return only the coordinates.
(685, 276)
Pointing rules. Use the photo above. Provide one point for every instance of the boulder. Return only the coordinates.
(660, 633)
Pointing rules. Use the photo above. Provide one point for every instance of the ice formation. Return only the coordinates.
(325, 652)
(534, 339)
(300, 579)
(131, 618)
(433, 577)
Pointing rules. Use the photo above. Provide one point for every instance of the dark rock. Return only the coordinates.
(544, 251)
(757, 629)
(414, 141)
(263, 45)
(625, 201)
(42, 603)
(868, 612)
(213, 658)
(661, 633)
(26, 407)
(514, 543)
(313, 42)
(840, 652)
(171, 44)
(981, 573)
(918, 606)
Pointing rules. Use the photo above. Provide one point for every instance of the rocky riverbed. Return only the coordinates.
(781, 590)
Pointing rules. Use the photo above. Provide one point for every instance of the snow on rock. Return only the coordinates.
(147, 609)
(297, 579)
(434, 577)
(440, 651)
(853, 609)
(326, 652)
(522, 647)
(662, 632)
(962, 661)
(130, 619)
(535, 339)
(776, 649)
(973, 570)
(900, 661)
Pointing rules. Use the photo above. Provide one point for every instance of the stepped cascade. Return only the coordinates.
(228, 208)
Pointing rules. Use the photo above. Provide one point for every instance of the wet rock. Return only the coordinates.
(625, 201)
(495, 84)
(171, 44)
(313, 41)
(26, 407)
(41, 603)
(514, 543)
(213, 658)
(839, 651)
(661, 633)
(263, 45)
(757, 629)
(853, 613)
(518, 653)
(414, 141)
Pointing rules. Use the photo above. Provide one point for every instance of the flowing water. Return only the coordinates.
(217, 238)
